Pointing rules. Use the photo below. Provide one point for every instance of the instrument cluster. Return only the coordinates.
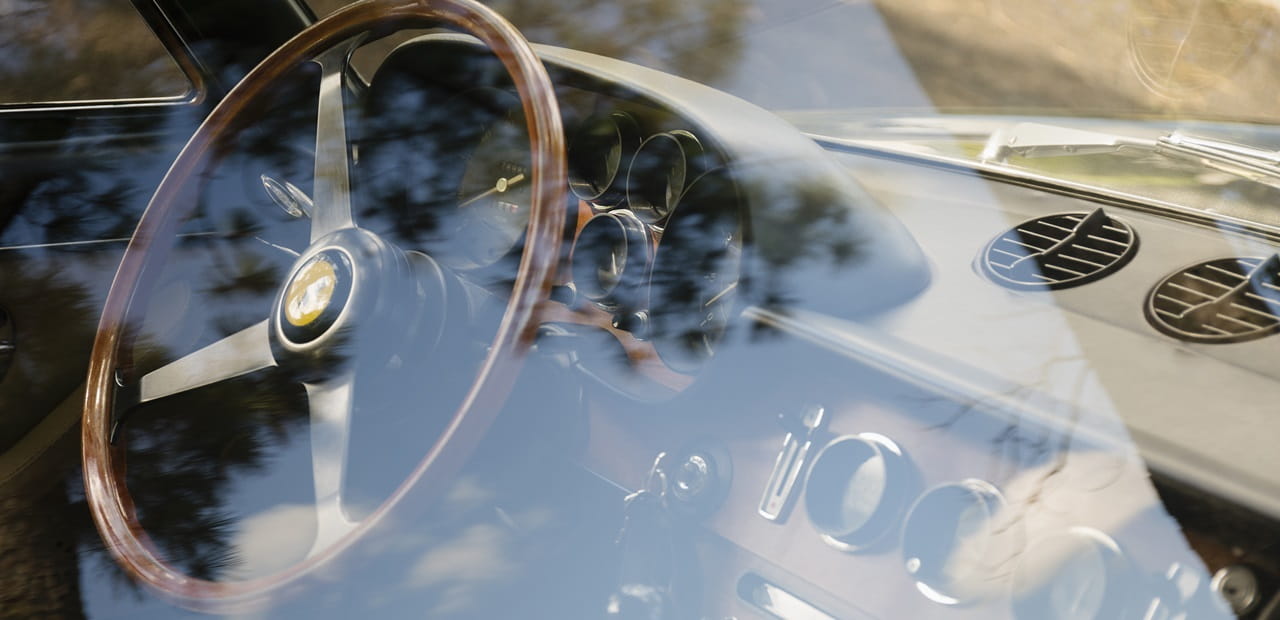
(658, 241)
(656, 225)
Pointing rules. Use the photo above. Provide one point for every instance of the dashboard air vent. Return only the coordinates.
(1059, 251)
(1219, 301)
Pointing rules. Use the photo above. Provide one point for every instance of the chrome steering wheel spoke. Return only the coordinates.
(331, 404)
(331, 193)
(241, 353)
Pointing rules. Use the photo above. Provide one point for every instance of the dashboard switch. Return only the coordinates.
(637, 323)
(790, 463)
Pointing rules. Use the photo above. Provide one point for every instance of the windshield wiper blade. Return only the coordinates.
(1032, 140)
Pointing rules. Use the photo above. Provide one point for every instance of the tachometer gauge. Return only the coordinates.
(694, 287)
(495, 192)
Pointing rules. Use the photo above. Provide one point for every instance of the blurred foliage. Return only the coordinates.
(73, 50)
(673, 35)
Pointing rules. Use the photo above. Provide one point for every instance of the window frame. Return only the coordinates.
(167, 35)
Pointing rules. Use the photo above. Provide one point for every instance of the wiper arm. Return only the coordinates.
(1038, 140)
(1253, 163)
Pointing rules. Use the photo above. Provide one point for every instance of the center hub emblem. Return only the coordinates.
(310, 292)
(316, 295)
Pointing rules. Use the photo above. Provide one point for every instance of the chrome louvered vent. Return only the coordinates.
(1222, 300)
(1059, 251)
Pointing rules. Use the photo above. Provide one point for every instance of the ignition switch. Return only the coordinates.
(699, 477)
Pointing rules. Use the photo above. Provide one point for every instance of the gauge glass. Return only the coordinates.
(609, 258)
(957, 540)
(857, 489)
(694, 287)
(1079, 573)
(596, 154)
(659, 173)
(495, 191)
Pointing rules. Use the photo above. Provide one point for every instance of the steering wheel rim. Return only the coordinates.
(103, 462)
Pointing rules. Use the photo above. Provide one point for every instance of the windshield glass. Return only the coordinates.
(695, 309)
(1201, 59)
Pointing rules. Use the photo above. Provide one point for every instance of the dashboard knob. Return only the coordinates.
(1185, 591)
(1238, 585)
(637, 323)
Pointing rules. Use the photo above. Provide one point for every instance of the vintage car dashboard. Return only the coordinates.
(950, 434)
(854, 407)
(978, 439)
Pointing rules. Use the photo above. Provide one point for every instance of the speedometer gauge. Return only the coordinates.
(694, 285)
(495, 190)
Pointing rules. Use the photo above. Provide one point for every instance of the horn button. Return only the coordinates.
(316, 295)
(354, 292)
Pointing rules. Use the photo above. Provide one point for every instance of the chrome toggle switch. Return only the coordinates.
(791, 461)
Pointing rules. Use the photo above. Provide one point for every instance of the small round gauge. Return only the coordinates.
(597, 152)
(1080, 573)
(856, 490)
(665, 164)
(958, 540)
(694, 286)
(495, 191)
(609, 258)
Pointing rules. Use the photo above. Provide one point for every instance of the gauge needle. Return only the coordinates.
(717, 296)
(502, 185)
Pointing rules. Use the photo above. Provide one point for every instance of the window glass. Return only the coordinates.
(1185, 59)
(82, 50)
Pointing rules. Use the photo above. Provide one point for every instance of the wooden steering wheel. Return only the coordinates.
(338, 284)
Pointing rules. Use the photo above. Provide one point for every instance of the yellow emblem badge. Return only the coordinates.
(310, 292)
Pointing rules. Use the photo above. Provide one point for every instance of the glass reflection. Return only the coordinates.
(763, 286)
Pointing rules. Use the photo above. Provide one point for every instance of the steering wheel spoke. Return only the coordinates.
(331, 193)
(331, 404)
(241, 353)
